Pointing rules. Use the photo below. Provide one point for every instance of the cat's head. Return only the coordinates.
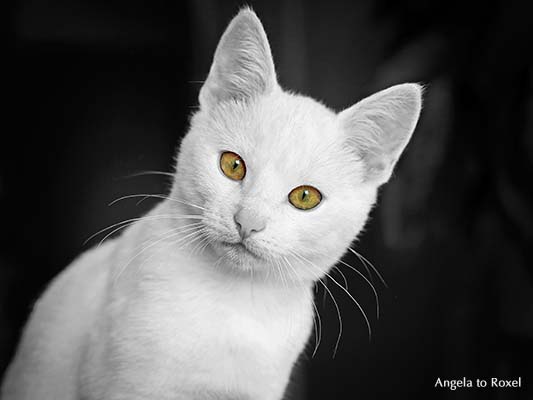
(283, 182)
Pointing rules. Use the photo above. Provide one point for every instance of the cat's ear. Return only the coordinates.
(242, 66)
(379, 127)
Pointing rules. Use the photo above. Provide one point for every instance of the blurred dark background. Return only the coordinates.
(100, 90)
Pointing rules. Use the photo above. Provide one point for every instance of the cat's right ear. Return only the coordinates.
(378, 128)
(242, 66)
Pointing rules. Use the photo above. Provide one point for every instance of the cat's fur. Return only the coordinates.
(219, 323)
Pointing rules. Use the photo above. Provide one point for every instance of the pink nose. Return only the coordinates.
(248, 222)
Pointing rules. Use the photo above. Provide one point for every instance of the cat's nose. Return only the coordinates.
(248, 222)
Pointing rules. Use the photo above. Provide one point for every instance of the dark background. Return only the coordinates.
(99, 90)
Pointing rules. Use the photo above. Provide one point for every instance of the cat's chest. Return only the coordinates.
(250, 341)
(231, 334)
(241, 320)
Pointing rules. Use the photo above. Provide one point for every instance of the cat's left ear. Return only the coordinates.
(379, 127)
(242, 66)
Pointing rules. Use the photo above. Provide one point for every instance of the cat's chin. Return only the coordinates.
(240, 250)
(238, 255)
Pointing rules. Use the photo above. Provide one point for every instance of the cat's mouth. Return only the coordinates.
(240, 248)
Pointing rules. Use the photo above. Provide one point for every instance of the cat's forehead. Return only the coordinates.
(292, 127)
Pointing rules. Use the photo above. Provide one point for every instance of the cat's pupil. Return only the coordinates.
(305, 193)
(236, 164)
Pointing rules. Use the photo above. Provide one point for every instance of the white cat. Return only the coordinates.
(210, 295)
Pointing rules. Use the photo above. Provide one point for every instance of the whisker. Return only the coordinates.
(200, 244)
(365, 261)
(147, 218)
(196, 236)
(365, 266)
(324, 295)
(338, 315)
(219, 260)
(161, 239)
(318, 329)
(337, 269)
(282, 279)
(376, 297)
(294, 277)
(167, 245)
(125, 225)
(252, 295)
(207, 243)
(345, 291)
(182, 241)
(182, 229)
(157, 196)
(319, 280)
(318, 326)
(143, 173)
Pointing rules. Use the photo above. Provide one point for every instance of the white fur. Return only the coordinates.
(221, 323)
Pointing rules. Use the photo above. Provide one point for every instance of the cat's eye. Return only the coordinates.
(232, 165)
(305, 197)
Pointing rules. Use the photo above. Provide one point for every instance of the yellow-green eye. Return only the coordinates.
(232, 165)
(305, 197)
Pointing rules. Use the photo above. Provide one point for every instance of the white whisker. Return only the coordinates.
(143, 173)
(161, 239)
(338, 315)
(205, 238)
(318, 329)
(171, 243)
(335, 268)
(145, 218)
(182, 229)
(317, 326)
(319, 280)
(365, 262)
(157, 196)
(345, 291)
(376, 297)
